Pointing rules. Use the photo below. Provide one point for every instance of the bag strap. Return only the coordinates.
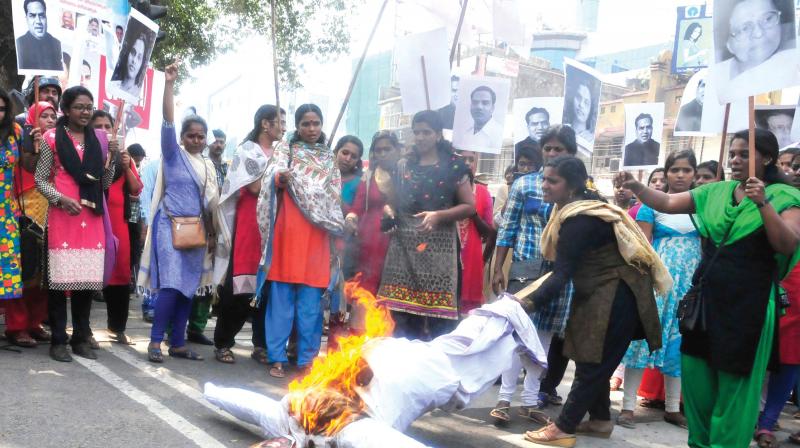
(716, 253)
(201, 195)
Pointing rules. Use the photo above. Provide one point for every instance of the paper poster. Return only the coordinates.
(796, 123)
(130, 69)
(409, 53)
(690, 114)
(136, 114)
(582, 85)
(532, 116)
(755, 44)
(694, 43)
(644, 127)
(37, 37)
(481, 113)
(778, 120)
(714, 112)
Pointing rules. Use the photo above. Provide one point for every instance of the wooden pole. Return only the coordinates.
(356, 72)
(724, 138)
(425, 83)
(118, 118)
(36, 109)
(275, 59)
(458, 32)
(751, 127)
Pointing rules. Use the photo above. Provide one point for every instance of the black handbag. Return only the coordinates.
(691, 308)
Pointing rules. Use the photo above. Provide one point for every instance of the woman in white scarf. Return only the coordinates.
(238, 250)
(185, 187)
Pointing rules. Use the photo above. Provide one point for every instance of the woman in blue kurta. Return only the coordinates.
(677, 243)
(185, 187)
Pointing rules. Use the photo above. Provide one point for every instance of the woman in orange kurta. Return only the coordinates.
(299, 208)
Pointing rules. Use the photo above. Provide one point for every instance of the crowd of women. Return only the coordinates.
(684, 290)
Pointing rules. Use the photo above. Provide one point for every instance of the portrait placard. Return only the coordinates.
(130, 69)
(481, 113)
(533, 115)
(582, 86)
(644, 126)
(38, 37)
(694, 43)
(778, 120)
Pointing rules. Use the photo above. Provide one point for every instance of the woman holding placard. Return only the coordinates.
(72, 173)
(750, 226)
(177, 257)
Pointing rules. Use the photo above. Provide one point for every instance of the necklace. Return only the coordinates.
(78, 146)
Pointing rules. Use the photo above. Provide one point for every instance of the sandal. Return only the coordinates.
(795, 438)
(155, 355)
(534, 415)
(224, 355)
(626, 420)
(121, 338)
(276, 371)
(189, 354)
(550, 435)
(500, 413)
(677, 419)
(765, 439)
(260, 355)
(21, 339)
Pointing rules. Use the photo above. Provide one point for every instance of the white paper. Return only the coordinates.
(644, 129)
(755, 48)
(481, 113)
(410, 50)
(130, 69)
(38, 37)
(582, 90)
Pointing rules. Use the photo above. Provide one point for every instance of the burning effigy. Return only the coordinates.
(372, 388)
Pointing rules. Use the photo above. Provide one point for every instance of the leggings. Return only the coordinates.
(172, 307)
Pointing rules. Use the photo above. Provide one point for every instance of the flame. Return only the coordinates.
(421, 247)
(325, 400)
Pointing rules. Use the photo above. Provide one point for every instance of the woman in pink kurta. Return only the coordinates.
(472, 233)
(76, 236)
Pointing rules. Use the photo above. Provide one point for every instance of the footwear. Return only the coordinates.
(224, 355)
(534, 413)
(765, 439)
(277, 371)
(93, 343)
(551, 398)
(184, 353)
(652, 404)
(21, 339)
(59, 353)
(677, 419)
(84, 349)
(121, 338)
(40, 334)
(550, 435)
(596, 428)
(147, 317)
(794, 438)
(626, 420)
(260, 355)
(155, 355)
(199, 338)
(500, 413)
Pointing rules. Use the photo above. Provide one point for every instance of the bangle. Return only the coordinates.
(761, 205)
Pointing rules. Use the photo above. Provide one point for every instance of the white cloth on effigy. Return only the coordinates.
(411, 378)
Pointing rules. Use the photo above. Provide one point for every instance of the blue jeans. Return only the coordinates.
(293, 304)
(778, 391)
(171, 308)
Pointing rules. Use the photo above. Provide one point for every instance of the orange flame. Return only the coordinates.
(325, 400)
(421, 247)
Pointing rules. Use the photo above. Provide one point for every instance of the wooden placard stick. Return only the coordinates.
(751, 128)
(356, 72)
(727, 115)
(275, 59)
(115, 130)
(458, 31)
(36, 108)
(425, 82)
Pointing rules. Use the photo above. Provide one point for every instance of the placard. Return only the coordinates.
(38, 37)
(532, 116)
(694, 43)
(644, 127)
(582, 87)
(130, 69)
(481, 113)
(431, 45)
(778, 120)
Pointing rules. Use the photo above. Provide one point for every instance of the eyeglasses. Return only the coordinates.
(767, 20)
(83, 107)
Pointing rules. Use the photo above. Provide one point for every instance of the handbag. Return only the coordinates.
(691, 308)
(188, 232)
(31, 241)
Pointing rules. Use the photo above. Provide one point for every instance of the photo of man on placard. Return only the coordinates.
(484, 130)
(37, 49)
(644, 150)
(777, 120)
(756, 47)
(690, 114)
(481, 113)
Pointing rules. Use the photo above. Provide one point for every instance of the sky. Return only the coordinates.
(622, 24)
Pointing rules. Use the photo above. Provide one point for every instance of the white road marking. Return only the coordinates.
(180, 424)
(165, 376)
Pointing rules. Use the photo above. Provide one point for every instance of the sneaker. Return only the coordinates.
(551, 398)
(59, 353)
(84, 350)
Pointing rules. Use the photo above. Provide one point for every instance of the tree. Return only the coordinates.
(197, 30)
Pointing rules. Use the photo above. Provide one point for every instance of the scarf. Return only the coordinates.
(201, 169)
(633, 245)
(248, 165)
(87, 173)
(36, 111)
(314, 186)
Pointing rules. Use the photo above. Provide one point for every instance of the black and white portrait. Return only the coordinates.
(778, 120)
(644, 123)
(693, 39)
(582, 86)
(690, 115)
(480, 114)
(38, 50)
(131, 67)
(756, 47)
(532, 117)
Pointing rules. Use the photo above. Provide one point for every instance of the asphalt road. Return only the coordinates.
(121, 400)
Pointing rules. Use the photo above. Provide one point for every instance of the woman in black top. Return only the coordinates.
(613, 302)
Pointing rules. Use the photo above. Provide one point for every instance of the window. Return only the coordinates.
(613, 108)
(602, 109)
